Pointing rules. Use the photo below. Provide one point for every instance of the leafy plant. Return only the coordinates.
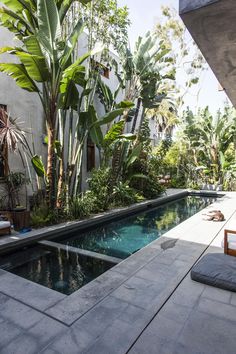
(14, 181)
(45, 58)
(123, 194)
(99, 187)
(42, 216)
(82, 206)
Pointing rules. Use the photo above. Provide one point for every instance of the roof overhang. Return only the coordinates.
(212, 26)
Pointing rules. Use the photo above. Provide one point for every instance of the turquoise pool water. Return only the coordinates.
(124, 237)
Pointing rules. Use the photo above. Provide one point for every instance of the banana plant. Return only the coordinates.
(43, 59)
(82, 124)
(209, 139)
(142, 71)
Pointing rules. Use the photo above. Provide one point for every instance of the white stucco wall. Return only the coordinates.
(21, 104)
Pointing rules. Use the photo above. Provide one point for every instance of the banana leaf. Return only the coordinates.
(20, 75)
(38, 166)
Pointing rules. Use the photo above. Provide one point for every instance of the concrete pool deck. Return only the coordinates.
(145, 304)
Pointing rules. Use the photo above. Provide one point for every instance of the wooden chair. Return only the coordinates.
(230, 242)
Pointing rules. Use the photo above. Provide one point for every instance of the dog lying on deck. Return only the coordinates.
(214, 215)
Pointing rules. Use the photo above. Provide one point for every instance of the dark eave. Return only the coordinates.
(212, 25)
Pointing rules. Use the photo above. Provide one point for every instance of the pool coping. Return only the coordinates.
(68, 309)
(79, 251)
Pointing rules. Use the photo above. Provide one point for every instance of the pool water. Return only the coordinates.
(58, 270)
(68, 270)
(124, 237)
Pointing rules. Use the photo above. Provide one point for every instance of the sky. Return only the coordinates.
(143, 16)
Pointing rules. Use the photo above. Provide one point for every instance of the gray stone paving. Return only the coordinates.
(194, 320)
(145, 304)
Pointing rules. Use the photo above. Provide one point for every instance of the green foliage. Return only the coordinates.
(46, 56)
(106, 96)
(114, 133)
(108, 23)
(82, 206)
(14, 182)
(17, 180)
(144, 177)
(19, 73)
(162, 149)
(38, 166)
(185, 55)
(152, 188)
(209, 138)
(42, 216)
(123, 194)
(109, 140)
(203, 152)
(144, 136)
(99, 184)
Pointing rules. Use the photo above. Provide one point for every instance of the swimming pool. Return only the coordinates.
(124, 237)
(64, 265)
(56, 269)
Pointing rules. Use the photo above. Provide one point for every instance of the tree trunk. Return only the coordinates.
(136, 115)
(141, 120)
(61, 177)
(60, 182)
(116, 167)
(51, 193)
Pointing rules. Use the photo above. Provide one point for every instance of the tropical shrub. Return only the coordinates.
(99, 188)
(42, 216)
(123, 194)
(82, 206)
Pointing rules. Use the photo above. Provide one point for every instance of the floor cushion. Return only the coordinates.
(216, 269)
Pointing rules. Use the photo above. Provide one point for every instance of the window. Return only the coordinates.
(102, 69)
(90, 155)
(3, 151)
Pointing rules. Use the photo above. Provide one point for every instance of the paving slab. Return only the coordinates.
(30, 293)
(70, 342)
(9, 331)
(17, 313)
(91, 329)
(74, 306)
(217, 294)
(196, 319)
(35, 339)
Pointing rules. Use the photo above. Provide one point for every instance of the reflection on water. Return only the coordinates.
(66, 272)
(59, 270)
(124, 237)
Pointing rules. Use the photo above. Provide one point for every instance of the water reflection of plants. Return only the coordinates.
(62, 271)
(122, 238)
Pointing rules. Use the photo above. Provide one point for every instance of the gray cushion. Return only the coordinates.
(216, 269)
